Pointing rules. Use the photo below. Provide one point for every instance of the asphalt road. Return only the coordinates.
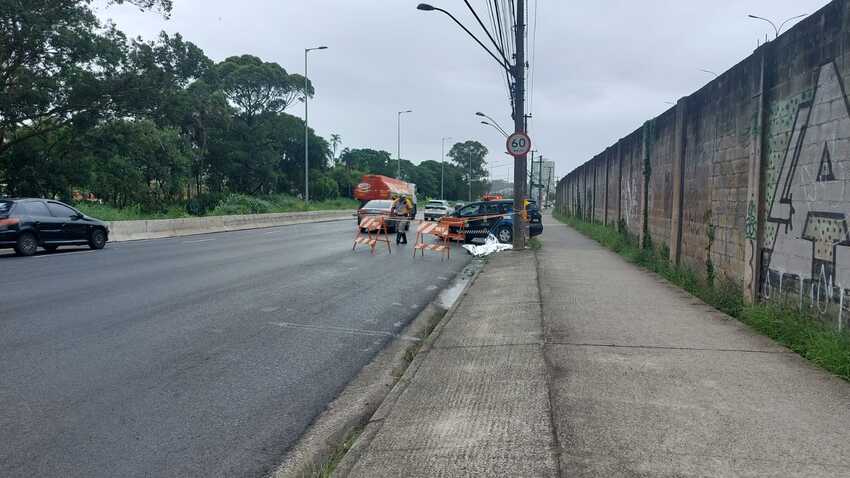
(197, 356)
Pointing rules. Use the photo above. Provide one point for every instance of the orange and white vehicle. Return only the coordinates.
(377, 193)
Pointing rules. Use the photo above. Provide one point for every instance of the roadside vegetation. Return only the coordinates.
(800, 331)
(154, 128)
(226, 205)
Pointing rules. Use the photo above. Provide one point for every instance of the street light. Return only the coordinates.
(398, 174)
(778, 29)
(496, 128)
(307, 128)
(443, 166)
(494, 124)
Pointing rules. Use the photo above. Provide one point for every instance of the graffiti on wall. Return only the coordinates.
(809, 208)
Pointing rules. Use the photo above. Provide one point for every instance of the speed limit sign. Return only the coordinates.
(519, 144)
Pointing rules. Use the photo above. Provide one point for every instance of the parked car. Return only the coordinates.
(435, 209)
(496, 218)
(27, 224)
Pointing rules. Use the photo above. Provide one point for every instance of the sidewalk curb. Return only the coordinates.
(376, 421)
(367, 396)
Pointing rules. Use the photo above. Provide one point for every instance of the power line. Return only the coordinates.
(533, 62)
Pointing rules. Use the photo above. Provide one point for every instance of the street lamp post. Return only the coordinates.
(443, 166)
(307, 128)
(398, 150)
(492, 123)
(778, 29)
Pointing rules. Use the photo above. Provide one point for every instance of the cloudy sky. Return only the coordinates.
(601, 67)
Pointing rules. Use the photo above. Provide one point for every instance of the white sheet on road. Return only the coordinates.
(491, 245)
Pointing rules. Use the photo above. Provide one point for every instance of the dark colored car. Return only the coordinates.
(500, 226)
(26, 224)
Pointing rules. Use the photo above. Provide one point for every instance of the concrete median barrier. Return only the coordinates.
(159, 228)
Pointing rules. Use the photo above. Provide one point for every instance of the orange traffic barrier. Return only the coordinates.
(371, 224)
(438, 230)
(453, 222)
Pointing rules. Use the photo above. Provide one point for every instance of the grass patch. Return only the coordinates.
(535, 244)
(227, 205)
(326, 469)
(800, 331)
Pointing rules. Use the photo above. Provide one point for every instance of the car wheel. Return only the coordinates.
(505, 235)
(26, 245)
(97, 239)
(51, 248)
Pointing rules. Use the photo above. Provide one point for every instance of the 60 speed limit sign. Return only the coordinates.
(519, 144)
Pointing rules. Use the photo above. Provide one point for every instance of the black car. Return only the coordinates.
(26, 224)
(495, 218)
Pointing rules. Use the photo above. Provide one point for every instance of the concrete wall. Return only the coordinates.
(749, 174)
(154, 229)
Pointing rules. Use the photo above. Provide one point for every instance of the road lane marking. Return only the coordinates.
(344, 330)
(432, 287)
(199, 240)
(60, 254)
(269, 309)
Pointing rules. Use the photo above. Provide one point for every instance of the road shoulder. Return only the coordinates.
(377, 385)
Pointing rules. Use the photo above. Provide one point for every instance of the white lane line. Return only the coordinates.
(60, 254)
(344, 330)
(269, 309)
(432, 287)
(199, 240)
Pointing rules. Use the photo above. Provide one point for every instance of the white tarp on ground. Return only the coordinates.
(491, 245)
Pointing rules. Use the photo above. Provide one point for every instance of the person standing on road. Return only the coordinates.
(401, 213)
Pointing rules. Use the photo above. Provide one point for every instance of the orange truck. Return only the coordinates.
(375, 186)
(376, 194)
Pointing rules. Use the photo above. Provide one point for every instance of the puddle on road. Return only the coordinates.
(450, 294)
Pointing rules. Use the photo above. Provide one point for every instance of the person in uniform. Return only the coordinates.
(401, 212)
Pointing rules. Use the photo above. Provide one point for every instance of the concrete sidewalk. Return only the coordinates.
(603, 370)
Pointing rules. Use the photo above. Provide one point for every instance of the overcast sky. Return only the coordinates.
(602, 67)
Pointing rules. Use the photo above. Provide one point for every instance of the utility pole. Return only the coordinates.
(520, 231)
(443, 167)
(531, 175)
(469, 156)
(540, 183)
(548, 183)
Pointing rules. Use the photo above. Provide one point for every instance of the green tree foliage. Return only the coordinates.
(256, 87)
(136, 162)
(375, 162)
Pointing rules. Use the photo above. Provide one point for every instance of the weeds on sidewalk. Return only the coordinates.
(326, 469)
(798, 330)
(535, 244)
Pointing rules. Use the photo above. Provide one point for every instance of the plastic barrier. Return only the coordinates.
(371, 224)
(437, 230)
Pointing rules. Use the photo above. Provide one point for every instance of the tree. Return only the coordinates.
(471, 156)
(255, 87)
(136, 162)
(368, 160)
(57, 66)
(336, 140)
